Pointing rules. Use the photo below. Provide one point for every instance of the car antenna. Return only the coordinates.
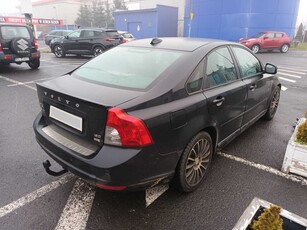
(155, 41)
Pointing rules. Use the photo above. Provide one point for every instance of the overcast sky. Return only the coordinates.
(8, 7)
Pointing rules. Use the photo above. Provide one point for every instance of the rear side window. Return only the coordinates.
(128, 67)
(112, 34)
(10, 32)
(88, 33)
(278, 35)
(248, 63)
(220, 67)
(99, 34)
(195, 81)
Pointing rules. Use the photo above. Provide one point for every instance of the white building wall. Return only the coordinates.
(64, 10)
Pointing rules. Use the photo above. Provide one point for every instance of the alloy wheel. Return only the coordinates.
(58, 51)
(284, 48)
(197, 162)
(97, 51)
(255, 49)
(274, 102)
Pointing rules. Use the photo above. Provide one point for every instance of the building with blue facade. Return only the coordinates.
(234, 19)
(147, 23)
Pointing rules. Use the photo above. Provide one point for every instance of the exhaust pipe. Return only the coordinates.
(47, 166)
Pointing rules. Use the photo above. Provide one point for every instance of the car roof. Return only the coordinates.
(177, 43)
(99, 29)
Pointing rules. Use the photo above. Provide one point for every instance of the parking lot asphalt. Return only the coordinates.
(31, 199)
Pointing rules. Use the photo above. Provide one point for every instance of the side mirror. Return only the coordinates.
(270, 68)
(66, 36)
(265, 37)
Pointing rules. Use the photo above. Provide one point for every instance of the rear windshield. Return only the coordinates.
(128, 67)
(112, 34)
(9, 32)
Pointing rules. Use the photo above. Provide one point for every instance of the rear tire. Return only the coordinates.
(284, 48)
(273, 105)
(194, 164)
(34, 64)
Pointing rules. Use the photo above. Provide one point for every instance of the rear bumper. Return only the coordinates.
(113, 166)
(11, 58)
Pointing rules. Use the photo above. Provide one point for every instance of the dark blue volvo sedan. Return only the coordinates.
(153, 111)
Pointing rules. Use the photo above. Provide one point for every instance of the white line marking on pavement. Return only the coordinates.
(78, 207)
(290, 75)
(151, 194)
(292, 68)
(286, 79)
(33, 195)
(283, 88)
(16, 82)
(291, 71)
(266, 168)
(29, 82)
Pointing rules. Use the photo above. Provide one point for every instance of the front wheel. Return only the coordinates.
(34, 64)
(284, 48)
(59, 51)
(273, 104)
(97, 51)
(255, 49)
(194, 163)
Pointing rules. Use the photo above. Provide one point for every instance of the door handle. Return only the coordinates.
(219, 100)
(252, 87)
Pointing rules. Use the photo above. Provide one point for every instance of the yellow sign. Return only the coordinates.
(191, 16)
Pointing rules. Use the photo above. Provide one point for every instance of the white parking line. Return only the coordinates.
(17, 82)
(78, 207)
(29, 82)
(151, 194)
(286, 79)
(265, 168)
(34, 195)
(291, 71)
(290, 75)
(293, 68)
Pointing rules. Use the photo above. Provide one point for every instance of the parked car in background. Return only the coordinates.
(268, 40)
(127, 37)
(56, 34)
(86, 41)
(153, 110)
(18, 45)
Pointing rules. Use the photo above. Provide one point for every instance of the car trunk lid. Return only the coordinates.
(67, 105)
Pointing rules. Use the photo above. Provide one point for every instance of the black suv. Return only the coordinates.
(17, 45)
(86, 41)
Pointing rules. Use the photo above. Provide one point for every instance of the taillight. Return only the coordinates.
(125, 130)
(1, 49)
(110, 39)
(36, 44)
(125, 40)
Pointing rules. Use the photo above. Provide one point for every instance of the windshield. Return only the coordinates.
(128, 67)
(258, 35)
(9, 32)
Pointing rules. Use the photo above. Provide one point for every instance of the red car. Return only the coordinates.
(268, 40)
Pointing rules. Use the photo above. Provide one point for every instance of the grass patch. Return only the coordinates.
(301, 46)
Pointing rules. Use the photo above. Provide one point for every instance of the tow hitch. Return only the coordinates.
(47, 166)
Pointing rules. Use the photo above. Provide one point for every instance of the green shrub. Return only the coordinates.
(301, 136)
(269, 220)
